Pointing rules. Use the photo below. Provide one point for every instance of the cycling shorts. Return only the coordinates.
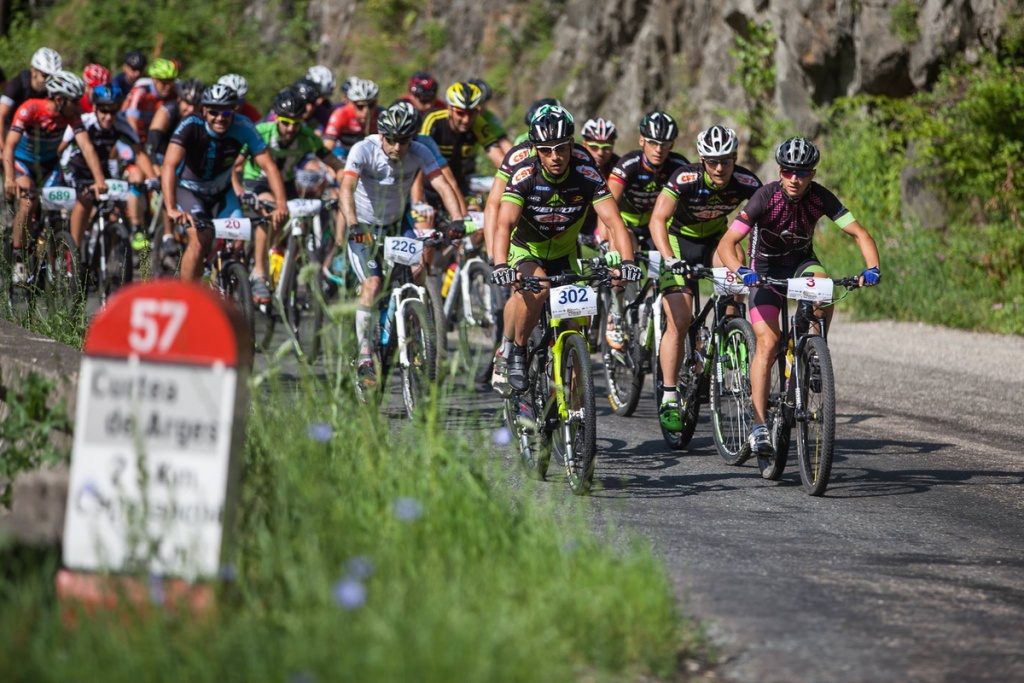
(208, 207)
(367, 258)
(49, 171)
(262, 186)
(692, 250)
(556, 266)
(765, 302)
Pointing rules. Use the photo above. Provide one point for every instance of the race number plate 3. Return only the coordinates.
(117, 190)
(810, 288)
(727, 283)
(300, 208)
(56, 198)
(403, 250)
(573, 301)
(232, 228)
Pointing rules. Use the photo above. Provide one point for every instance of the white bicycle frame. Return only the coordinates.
(462, 289)
(399, 306)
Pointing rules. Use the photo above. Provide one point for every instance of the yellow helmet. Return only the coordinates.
(464, 96)
(163, 69)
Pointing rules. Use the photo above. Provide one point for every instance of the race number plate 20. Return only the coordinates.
(57, 198)
(727, 283)
(403, 250)
(232, 228)
(810, 288)
(573, 301)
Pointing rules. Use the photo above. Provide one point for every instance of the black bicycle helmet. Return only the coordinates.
(551, 123)
(289, 104)
(219, 95)
(192, 91)
(658, 125)
(136, 60)
(397, 121)
(797, 152)
(535, 107)
(485, 89)
(307, 90)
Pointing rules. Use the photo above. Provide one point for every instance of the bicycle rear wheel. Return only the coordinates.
(476, 352)
(238, 289)
(576, 438)
(419, 371)
(624, 368)
(63, 274)
(779, 427)
(120, 269)
(311, 327)
(435, 307)
(731, 407)
(816, 422)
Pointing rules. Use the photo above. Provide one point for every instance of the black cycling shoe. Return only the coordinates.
(517, 375)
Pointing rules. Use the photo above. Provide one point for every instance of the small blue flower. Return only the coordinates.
(228, 572)
(320, 432)
(350, 593)
(502, 436)
(360, 567)
(408, 509)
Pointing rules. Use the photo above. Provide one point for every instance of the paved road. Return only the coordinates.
(911, 568)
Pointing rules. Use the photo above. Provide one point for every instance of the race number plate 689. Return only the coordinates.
(573, 301)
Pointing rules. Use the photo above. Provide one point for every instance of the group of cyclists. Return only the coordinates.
(211, 154)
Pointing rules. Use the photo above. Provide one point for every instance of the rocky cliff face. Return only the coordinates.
(620, 58)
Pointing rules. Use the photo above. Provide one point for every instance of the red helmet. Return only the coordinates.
(96, 74)
(423, 85)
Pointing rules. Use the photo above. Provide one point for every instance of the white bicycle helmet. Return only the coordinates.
(47, 61)
(798, 152)
(65, 83)
(219, 95)
(362, 90)
(323, 77)
(236, 83)
(717, 141)
(601, 130)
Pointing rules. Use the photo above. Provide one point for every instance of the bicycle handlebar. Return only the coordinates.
(848, 282)
(533, 283)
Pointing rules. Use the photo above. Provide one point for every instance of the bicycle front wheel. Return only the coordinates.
(731, 406)
(816, 418)
(238, 290)
(578, 431)
(624, 368)
(418, 366)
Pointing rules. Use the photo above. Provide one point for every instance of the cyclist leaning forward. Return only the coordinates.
(636, 180)
(780, 218)
(379, 172)
(292, 145)
(686, 225)
(541, 211)
(30, 153)
(197, 172)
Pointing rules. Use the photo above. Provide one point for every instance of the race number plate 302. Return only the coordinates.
(232, 228)
(573, 301)
(727, 283)
(810, 288)
(403, 250)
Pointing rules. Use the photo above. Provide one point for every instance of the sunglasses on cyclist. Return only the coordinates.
(553, 149)
(659, 143)
(716, 163)
(220, 113)
(287, 121)
(801, 174)
(107, 110)
(400, 140)
(599, 145)
(362, 105)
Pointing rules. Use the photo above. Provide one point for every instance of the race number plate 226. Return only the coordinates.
(573, 301)
(403, 250)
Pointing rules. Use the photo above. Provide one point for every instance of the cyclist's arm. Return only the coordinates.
(92, 160)
(508, 216)
(608, 211)
(449, 196)
(664, 207)
(496, 152)
(6, 111)
(173, 157)
(491, 211)
(868, 248)
(236, 175)
(729, 246)
(143, 160)
(13, 138)
(617, 188)
(269, 168)
(348, 201)
(158, 129)
(416, 191)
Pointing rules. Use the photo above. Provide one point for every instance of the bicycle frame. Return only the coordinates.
(463, 291)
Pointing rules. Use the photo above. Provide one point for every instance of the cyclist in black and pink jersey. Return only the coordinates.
(30, 155)
(687, 222)
(29, 84)
(635, 183)
(780, 220)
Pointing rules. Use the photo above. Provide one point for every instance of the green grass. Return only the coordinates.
(467, 576)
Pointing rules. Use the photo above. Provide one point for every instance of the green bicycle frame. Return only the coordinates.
(563, 411)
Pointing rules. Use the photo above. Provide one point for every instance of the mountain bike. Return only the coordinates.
(106, 252)
(557, 410)
(52, 268)
(406, 329)
(802, 386)
(469, 301)
(625, 369)
(714, 366)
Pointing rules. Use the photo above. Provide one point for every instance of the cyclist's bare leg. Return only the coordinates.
(820, 312)
(80, 216)
(677, 306)
(619, 289)
(768, 334)
(27, 207)
(136, 202)
(526, 306)
(264, 234)
(197, 249)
